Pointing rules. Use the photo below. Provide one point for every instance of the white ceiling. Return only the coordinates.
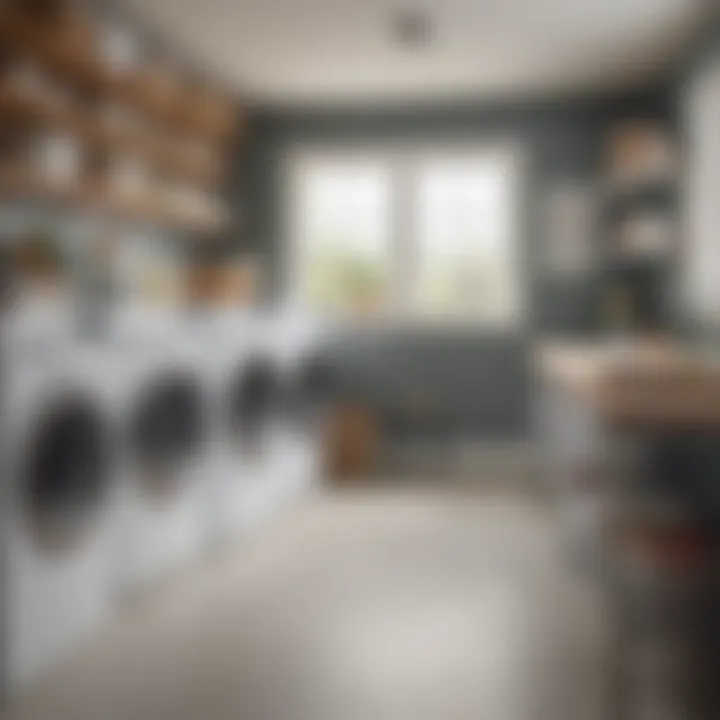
(289, 52)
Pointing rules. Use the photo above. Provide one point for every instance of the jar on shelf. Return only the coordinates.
(119, 49)
(640, 152)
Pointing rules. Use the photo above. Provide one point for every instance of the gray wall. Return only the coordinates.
(474, 381)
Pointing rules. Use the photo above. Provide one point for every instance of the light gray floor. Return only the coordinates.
(410, 602)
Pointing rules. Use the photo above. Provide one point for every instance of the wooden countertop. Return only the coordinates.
(643, 382)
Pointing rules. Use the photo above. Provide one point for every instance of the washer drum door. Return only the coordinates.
(254, 402)
(167, 434)
(308, 395)
(66, 479)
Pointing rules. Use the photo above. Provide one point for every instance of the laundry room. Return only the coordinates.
(360, 359)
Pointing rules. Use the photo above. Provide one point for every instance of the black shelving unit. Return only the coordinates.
(644, 277)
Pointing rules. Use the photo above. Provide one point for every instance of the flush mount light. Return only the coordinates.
(413, 28)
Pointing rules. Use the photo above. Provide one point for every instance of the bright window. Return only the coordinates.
(465, 238)
(343, 244)
(430, 235)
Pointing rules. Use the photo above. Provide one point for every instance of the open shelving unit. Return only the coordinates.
(177, 133)
(639, 218)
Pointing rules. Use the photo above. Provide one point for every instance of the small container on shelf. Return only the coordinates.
(177, 200)
(191, 205)
(219, 117)
(213, 214)
(119, 49)
(224, 283)
(117, 119)
(161, 285)
(193, 150)
(208, 114)
(38, 264)
(244, 281)
(647, 235)
(191, 160)
(155, 91)
(26, 86)
(640, 153)
(57, 159)
(33, 164)
(127, 180)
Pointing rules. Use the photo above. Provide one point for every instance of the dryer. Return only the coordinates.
(248, 409)
(310, 385)
(307, 380)
(160, 496)
(218, 353)
(190, 357)
(261, 458)
(58, 523)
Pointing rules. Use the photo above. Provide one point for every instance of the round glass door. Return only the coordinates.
(68, 472)
(253, 399)
(309, 390)
(167, 433)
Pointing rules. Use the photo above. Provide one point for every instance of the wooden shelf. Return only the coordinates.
(21, 184)
(166, 121)
(156, 212)
(80, 66)
(160, 154)
(16, 107)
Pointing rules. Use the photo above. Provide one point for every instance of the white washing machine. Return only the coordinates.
(161, 495)
(262, 457)
(306, 379)
(247, 409)
(218, 352)
(196, 356)
(58, 524)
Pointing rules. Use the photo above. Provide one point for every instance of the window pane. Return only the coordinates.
(465, 239)
(344, 242)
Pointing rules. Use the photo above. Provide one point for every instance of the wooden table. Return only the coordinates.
(660, 384)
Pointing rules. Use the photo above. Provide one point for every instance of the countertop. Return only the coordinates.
(647, 382)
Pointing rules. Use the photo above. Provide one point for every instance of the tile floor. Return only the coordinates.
(414, 602)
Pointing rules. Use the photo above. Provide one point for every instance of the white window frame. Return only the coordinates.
(402, 157)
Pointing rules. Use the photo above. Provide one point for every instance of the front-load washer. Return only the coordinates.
(160, 494)
(308, 390)
(304, 379)
(250, 404)
(218, 351)
(190, 358)
(58, 524)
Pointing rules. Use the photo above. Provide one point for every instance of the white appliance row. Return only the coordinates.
(126, 459)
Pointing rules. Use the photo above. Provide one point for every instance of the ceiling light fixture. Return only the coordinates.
(413, 28)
